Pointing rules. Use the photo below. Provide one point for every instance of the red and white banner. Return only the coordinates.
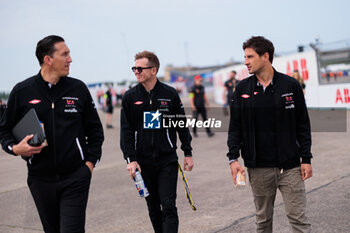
(316, 95)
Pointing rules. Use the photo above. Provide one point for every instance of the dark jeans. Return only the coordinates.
(200, 111)
(161, 181)
(62, 204)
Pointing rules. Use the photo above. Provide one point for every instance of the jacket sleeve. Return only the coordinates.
(93, 130)
(7, 122)
(127, 132)
(234, 139)
(184, 132)
(303, 129)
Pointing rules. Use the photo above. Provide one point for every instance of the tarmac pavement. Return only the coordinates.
(115, 207)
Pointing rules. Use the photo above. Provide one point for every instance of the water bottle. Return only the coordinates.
(140, 185)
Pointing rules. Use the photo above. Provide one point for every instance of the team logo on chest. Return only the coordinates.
(164, 105)
(289, 98)
(70, 104)
(34, 101)
(289, 104)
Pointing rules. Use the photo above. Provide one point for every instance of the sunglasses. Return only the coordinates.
(140, 69)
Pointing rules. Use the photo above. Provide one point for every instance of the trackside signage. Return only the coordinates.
(326, 95)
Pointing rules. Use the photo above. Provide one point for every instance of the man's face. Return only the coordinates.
(253, 61)
(232, 76)
(146, 74)
(198, 82)
(60, 60)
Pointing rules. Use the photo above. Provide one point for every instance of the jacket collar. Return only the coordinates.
(156, 86)
(42, 82)
(274, 78)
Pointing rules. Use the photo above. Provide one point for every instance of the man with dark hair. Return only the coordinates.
(270, 125)
(46, 47)
(58, 174)
(149, 147)
(261, 46)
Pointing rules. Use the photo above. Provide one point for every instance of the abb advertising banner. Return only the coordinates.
(317, 96)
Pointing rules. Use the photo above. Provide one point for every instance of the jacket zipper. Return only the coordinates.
(152, 130)
(167, 134)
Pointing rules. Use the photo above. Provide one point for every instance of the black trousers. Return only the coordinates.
(62, 204)
(161, 181)
(200, 111)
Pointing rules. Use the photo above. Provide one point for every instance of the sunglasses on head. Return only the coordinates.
(140, 69)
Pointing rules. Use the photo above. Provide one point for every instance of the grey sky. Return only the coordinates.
(104, 35)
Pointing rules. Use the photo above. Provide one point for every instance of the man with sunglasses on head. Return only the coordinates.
(153, 151)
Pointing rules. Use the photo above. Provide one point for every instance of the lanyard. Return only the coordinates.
(187, 188)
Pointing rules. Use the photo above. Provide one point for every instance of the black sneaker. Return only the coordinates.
(211, 134)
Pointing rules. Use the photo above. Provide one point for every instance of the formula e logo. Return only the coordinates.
(151, 120)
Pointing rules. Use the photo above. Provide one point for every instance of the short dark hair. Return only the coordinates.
(261, 45)
(46, 46)
(152, 58)
(233, 71)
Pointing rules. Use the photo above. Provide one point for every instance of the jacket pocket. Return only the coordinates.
(169, 140)
(141, 142)
(295, 183)
(30, 159)
(79, 148)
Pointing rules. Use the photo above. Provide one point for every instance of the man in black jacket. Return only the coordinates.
(58, 174)
(199, 104)
(150, 146)
(108, 104)
(230, 86)
(270, 125)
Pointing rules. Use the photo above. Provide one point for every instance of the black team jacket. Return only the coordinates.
(72, 126)
(152, 145)
(292, 122)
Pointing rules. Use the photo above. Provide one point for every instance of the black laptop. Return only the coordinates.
(28, 125)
